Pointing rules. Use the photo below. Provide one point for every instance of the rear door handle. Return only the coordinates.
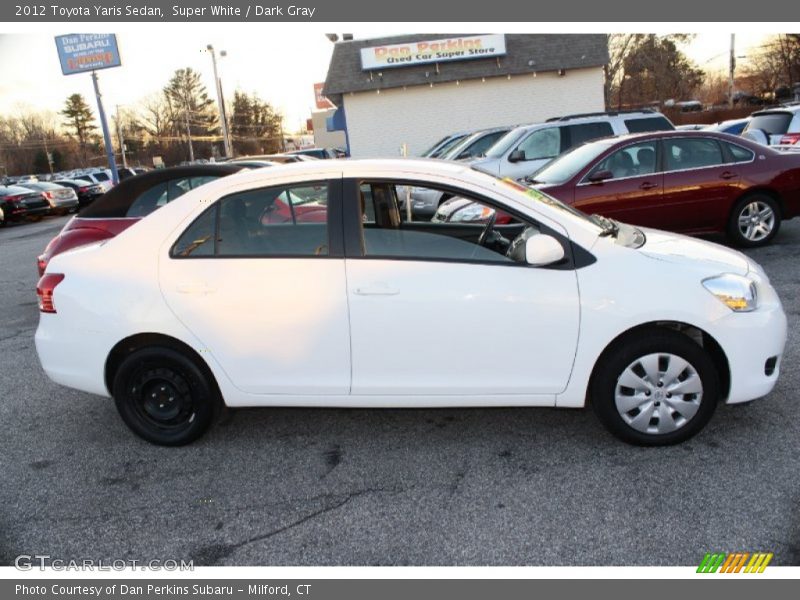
(195, 288)
(376, 289)
(728, 175)
(647, 185)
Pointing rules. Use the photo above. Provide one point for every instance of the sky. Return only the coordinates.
(281, 66)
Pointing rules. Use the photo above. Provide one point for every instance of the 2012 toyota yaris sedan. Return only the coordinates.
(210, 302)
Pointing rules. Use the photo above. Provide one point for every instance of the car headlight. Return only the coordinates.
(473, 213)
(734, 291)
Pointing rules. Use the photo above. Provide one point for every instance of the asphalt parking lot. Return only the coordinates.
(386, 487)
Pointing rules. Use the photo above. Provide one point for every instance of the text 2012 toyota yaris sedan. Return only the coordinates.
(209, 300)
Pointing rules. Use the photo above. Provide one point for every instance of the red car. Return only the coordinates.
(685, 181)
(128, 202)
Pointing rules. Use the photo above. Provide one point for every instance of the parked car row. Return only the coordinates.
(685, 181)
(518, 151)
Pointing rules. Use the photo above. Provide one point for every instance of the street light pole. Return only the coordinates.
(220, 102)
(121, 141)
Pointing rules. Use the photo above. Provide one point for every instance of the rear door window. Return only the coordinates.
(692, 153)
(739, 154)
(648, 124)
(584, 132)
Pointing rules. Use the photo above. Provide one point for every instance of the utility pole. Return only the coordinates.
(732, 70)
(47, 154)
(188, 128)
(121, 141)
(221, 101)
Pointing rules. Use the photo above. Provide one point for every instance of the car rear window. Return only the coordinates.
(775, 123)
(100, 176)
(648, 124)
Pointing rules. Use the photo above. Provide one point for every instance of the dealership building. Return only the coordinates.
(406, 92)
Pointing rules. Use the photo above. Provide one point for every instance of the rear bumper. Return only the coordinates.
(25, 212)
(71, 357)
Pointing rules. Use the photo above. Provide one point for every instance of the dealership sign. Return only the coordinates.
(416, 53)
(322, 102)
(82, 52)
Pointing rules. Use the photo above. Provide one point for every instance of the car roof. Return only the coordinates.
(614, 141)
(116, 202)
(790, 108)
(14, 189)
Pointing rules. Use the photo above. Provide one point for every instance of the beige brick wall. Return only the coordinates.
(418, 116)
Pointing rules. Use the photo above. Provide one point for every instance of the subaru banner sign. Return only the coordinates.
(85, 52)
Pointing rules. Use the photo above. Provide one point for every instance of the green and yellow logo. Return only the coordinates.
(736, 562)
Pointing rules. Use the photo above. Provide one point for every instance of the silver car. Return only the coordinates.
(62, 199)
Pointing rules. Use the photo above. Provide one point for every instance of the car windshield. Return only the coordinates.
(445, 148)
(566, 166)
(435, 147)
(504, 143)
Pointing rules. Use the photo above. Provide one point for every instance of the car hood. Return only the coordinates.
(680, 249)
(485, 164)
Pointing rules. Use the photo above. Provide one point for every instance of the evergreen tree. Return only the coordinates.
(80, 121)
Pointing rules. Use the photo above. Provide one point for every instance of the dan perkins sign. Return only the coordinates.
(82, 52)
(417, 53)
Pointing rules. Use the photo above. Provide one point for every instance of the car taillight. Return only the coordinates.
(84, 189)
(48, 195)
(14, 198)
(44, 289)
(790, 138)
(41, 264)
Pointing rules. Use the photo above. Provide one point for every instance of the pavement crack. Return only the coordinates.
(214, 554)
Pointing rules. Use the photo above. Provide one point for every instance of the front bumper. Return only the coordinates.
(754, 344)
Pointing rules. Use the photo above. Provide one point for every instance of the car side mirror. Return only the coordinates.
(542, 250)
(601, 176)
(517, 156)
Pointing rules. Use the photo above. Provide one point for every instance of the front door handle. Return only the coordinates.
(647, 185)
(195, 288)
(376, 289)
(728, 175)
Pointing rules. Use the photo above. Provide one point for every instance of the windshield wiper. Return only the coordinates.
(610, 227)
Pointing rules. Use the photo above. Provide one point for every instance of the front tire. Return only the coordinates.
(754, 221)
(164, 397)
(655, 388)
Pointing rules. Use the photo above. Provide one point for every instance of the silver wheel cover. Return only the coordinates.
(658, 393)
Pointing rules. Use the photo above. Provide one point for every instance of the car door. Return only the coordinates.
(532, 152)
(266, 299)
(432, 313)
(700, 184)
(632, 190)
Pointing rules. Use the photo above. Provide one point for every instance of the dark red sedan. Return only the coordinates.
(685, 181)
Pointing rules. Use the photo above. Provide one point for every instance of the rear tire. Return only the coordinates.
(754, 221)
(655, 388)
(164, 397)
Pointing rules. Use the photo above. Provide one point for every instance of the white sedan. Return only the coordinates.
(303, 285)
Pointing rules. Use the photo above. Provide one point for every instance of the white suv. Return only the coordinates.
(525, 149)
(776, 127)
